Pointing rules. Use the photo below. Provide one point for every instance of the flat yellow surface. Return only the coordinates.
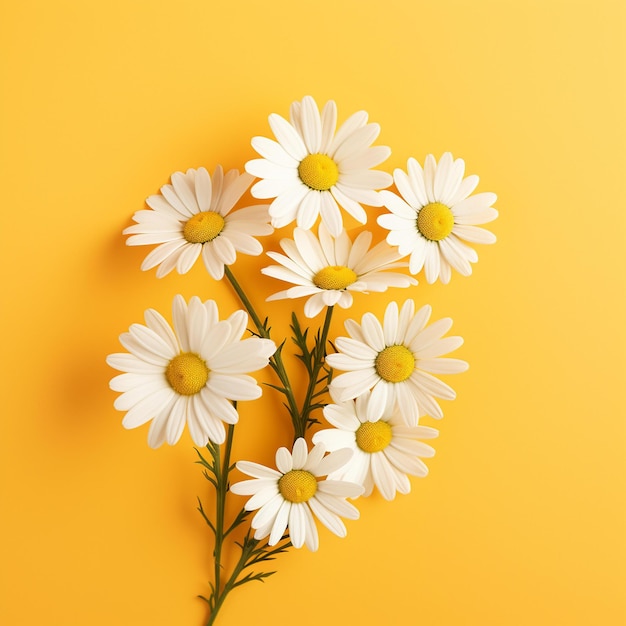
(522, 518)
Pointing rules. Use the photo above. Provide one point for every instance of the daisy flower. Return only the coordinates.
(329, 269)
(311, 170)
(436, 215)
(384, 450)
(189, 374)
(193, 216)
(396, 361)
(291, 495)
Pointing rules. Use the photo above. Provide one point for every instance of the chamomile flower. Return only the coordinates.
(396, 360)
(193, 217)
(384, 450)
(436, 215)
(329, 269)
(311, 170)
(187, 375)
(290, 496)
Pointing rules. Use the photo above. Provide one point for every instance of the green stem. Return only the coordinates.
(245, 560)
(220, 504)
(246, 302)
(222, 470)
(320, 356)
(276, 361)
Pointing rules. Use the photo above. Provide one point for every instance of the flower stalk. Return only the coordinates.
(252, 551)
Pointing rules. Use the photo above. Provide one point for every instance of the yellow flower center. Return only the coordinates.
(435, 221)
(395, 364)
(318, 171)
(187, 373)
(373, 436)
(297, 486)
(203, 227)
(334, 277)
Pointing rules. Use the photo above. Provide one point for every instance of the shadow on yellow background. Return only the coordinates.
(522, 518)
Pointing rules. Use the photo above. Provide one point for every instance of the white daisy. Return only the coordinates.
(291, 496)
(384, 450)
(192, 216)
(396, 361)
(189, 374)
(329, 269)
(436, 215)
(310, 169)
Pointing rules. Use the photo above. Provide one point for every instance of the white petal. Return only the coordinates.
(390, 323)
(340, 488)
(297, 524)
(272, 151)
(333, 461)
(284, 462)
(288, 137)
(356, 349)
(443, 366)
(148, 408)
(327, 518)
(311, 538)
(257, 470)
(280, 523)
(354, 122)
(130, 363)
(299, 453)
(329, 211)
(234, 387)
(176, 420)
(383, 476)
(311, 125)
(373, 332)
(353, 384)
(474, 234)
(185, 189)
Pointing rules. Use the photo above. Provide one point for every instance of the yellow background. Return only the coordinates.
(522, 518)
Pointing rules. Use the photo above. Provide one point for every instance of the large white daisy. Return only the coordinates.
(329, 269)
(193, 216)
(396, 360)
(384, 450)
(290, 496)
(436, 215)
(311, 170)
(189, 374)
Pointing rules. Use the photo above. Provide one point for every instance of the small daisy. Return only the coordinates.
(436, 215)
(396, 361)
(329, 269)
(384, 450)
(189, 374)
(291, 496)
(311, 170)
(192, 217)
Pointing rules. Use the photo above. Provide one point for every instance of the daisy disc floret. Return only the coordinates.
(396, 360)
(311, 170)
(436, 215)
(327, 270)
(193, 217)
(385, 451)
(289, 497)
(189, 374)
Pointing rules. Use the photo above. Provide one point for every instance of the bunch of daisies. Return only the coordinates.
(380, 378)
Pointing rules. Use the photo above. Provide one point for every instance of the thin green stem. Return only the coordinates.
(228, 587)
(276, 361)
(246, 302)
(251, 554)
(221, 474)
(318, 362)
